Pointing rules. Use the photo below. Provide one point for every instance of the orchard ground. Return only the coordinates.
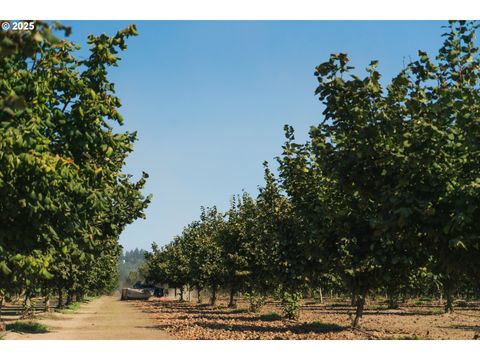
(109, 318)
(331, 320)
(104, 318)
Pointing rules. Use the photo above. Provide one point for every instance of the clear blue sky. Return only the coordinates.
(209, 100)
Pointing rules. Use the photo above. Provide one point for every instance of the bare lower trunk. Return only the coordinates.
(232, 303)
(213, 299)
(199, 299)
(47, 302)
(181, 294)
(392, 303)
(3, 326)
(28, 310)
(321, 295)
(1, 306)
(353, 298)
(392, 297)
(69, 298)
(449, 299)
(360, 304)
(60, 299)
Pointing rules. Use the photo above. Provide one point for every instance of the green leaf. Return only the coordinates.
(4, 269)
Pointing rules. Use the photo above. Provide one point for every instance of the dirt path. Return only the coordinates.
(105, 318)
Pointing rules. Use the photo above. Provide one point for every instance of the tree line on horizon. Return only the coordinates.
(130, 267)
(383, 198)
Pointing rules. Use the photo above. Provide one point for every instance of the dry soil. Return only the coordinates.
(104, 318)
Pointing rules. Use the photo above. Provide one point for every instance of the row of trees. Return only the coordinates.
(384, 196)
(64, 199)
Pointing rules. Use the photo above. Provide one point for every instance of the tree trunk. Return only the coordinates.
(47, 302)
(359, 310)
(392, 303)
(60, 299)
(449, 298)
(199, 299)
(353, 298)
(181, 294)
(213, 299)
(392, 299)
(27, 306)
(1, 306)
(320, 294)
(232, 303)
(69, 298)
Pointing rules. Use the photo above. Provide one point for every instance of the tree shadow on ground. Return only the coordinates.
(315, 327)
(410, 313)
(463, 327)
(154, 327)
(217, 317)
(346, 312)
(194, 310)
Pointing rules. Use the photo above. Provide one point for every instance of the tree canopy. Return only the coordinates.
(64, 198)
(383, 196)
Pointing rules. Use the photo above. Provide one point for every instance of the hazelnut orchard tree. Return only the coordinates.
(64, 199)
(399, 166)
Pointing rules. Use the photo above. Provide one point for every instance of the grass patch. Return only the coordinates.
(71, 308)
(239, 311)
(27, 327)
(419, 302)
(437, 311)
(271, 316)
(319, 327)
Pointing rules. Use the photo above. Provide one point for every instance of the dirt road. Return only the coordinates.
(105, 318)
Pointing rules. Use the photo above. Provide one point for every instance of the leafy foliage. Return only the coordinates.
(383, 197)
(64, 199)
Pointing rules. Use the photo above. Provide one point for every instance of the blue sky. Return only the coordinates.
(209, 100)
